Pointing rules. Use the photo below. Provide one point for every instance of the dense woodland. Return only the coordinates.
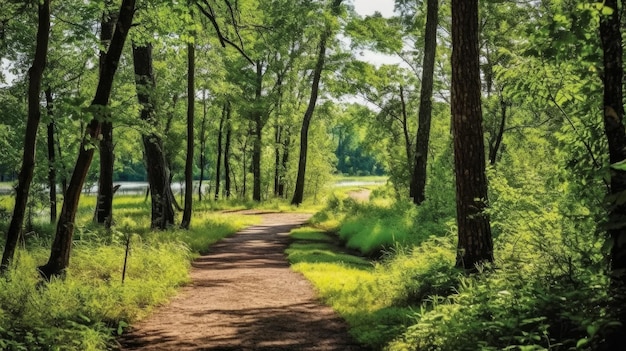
(501, 132)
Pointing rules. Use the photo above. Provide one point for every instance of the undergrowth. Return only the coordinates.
(547, 289)
(87, 307)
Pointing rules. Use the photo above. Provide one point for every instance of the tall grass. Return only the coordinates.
(89, 305)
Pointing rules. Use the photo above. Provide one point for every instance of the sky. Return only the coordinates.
(368, 7)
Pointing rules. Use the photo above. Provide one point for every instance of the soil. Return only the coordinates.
(243, 296)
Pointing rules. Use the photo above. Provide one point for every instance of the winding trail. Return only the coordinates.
(243, 296)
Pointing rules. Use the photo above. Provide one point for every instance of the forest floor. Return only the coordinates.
(243, 296)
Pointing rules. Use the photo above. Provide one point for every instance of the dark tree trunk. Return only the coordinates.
(218, 166)
(405, 131)
(52, 174)
(611, 37)
(61, 247)
(298, 194)
(494, 143)
(258, 133)
(202, 144)
(475, 243)
(227, 185)
(418, 181)
(35, 74)
(191, 101)
(104, 205)
(285, 161)
(277, 144)
(156, 164)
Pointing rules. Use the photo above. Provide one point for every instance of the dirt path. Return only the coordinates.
(243, 296)
(361, 195)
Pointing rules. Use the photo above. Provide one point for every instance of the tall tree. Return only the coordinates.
(218, 166)
(611, 37)
(475, 244)
(104, 205)
(418, 182)
(327, 34)
(52, 175)
(229, 131)
(156, 163)
(191, 101)
(35, 74)
(62, 244)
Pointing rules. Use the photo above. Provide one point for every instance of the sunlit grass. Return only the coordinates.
(86, 307)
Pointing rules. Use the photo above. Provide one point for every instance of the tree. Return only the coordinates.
(156, 163)
(191, 101)
(35, 74)
(62, 244)
(308, 115)
(611, 38)
(104, 205)
(475, 243)
(418, 181)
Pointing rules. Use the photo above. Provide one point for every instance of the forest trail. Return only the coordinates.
(243, 296)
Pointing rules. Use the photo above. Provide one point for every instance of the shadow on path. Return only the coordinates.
(243, 296)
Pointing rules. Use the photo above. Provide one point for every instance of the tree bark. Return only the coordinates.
(218, 166)
(405, 131)
(286, 144)
(494, 144)
(191, 101)
(35, 74)
(227, 185)
(104, 205)
(156, 164)
(418, 182)
(202, 144)
(61, 247)
(298, 194)
(277, 144)
(610, 35)
(52, 174)
(259, 123)
(475, 243)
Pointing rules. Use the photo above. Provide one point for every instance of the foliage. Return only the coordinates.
(90, 304)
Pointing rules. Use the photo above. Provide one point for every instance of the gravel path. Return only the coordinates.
(243, 296)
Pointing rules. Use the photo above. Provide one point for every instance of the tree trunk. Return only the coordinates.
(218, 166)
(227, 167)
(475, 243)
(494, 145)
(191, 101)
(418, 181)
(277, 144)
(202, 144)
(611, 38)
(61, 247)
(35, 74)
(405, 131)
(52, 174)
(298, 194)
(286, 144)
(156, 164)
(104, 205)
(258, 133)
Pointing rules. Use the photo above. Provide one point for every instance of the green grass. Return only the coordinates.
(89, 305)
(377, 299)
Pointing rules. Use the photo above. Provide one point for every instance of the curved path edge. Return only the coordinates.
(244, 296)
